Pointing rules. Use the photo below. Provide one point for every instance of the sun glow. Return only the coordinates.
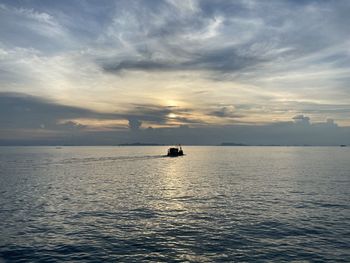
(172, 115)
(172, 103)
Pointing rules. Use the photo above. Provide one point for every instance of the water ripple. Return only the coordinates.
(251, 204)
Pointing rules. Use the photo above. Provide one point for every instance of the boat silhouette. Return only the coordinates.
(175, 151)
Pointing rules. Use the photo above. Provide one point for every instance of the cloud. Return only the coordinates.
(301, 119)
(23, 27)
(136, 65)
(271, 59)
(21, 111)
(226, 112)
(31, 120)
(330, 122)
(134, 124)
(159, 115)
(222, 60)
(148, 112)
(71, 125)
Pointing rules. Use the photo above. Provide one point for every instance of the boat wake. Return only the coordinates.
(93, 160)
(112, 158)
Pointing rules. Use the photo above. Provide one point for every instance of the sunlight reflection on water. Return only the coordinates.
(214, 204)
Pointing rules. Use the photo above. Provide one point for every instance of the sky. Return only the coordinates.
(191, 71)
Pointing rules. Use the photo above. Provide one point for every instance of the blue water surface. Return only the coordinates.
(133, 204)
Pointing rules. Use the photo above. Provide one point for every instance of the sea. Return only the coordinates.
(214, 204)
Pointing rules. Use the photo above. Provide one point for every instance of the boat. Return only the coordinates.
(175, 151)
(343, 145)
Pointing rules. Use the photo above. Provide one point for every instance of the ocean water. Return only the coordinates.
(215, 204)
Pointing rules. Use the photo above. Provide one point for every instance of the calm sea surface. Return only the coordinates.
(132, 204)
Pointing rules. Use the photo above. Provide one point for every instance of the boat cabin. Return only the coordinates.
(175, 151)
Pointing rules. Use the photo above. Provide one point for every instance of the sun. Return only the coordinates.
(172, 115)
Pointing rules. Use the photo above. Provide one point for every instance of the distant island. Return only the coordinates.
(232, 144)
(225, 144)
(269, 145)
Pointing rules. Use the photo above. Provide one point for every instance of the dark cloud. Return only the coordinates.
(148, 112)
(226, 112)
(25, 111)
(143, 65)
(171, 36)
(301, 119)
(21, 111)
(221, 60)
(134, 124)
(30, 120)
(282, 133)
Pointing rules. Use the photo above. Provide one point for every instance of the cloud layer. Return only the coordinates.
(162, 64)
(28, 120)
